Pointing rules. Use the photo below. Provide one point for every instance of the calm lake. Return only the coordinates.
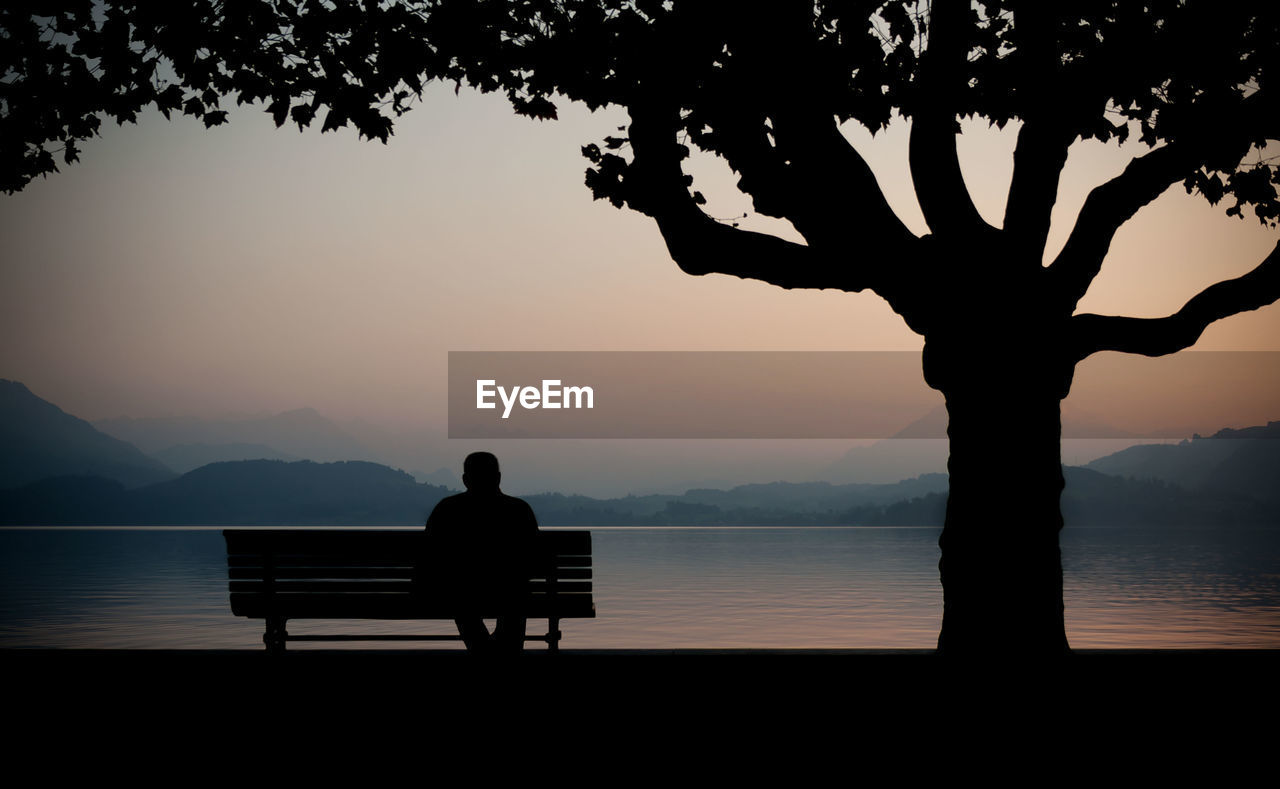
(676, 587)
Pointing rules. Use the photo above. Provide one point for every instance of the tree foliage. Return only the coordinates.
(766, 86)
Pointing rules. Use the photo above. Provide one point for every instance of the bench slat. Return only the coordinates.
(317, 560)
(315, 586)
(389, 606)
(375, 542)
(402, 573)
(239, 573)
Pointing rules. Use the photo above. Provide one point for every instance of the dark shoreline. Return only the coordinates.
(628, 670)
(309, 706)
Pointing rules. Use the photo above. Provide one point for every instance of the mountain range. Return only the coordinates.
(1230, 462)
(38, 440)
(301, 433)
(58, 469)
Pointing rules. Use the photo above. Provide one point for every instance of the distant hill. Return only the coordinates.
(188, 457)
(39, 440)
(302, 433)
(889, 460)
(274, 493)
(442, 476)
(251, 492)
(921, 448)
(271, 492)
(62, 471)
(1090, 499)
(1095, 499)
(1075, 424)
(68, 501)
(774, 503)
(1243, 462)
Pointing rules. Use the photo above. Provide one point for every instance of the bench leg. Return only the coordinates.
(275, 636)
(553, 634)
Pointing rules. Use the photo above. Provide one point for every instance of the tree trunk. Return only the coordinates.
(1001, 566)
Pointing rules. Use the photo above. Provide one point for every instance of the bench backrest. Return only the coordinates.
(368, 574)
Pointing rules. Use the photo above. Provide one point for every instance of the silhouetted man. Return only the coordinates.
(480, 551)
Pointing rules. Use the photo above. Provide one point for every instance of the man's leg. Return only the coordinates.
(474, 634)
(508, 636)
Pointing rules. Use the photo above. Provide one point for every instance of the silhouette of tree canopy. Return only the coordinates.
(766, 86)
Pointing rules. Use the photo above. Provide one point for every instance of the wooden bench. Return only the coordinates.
(283, 574)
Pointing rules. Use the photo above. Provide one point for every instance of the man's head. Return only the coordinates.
(480, 472)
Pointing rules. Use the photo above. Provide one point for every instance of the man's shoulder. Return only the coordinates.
(448, 510)
(516, 503)
(517, 512)
(452, 502)
(466, 501)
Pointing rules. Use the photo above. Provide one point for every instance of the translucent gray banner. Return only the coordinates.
(819, 394)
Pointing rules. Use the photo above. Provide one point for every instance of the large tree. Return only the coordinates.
(767, 86)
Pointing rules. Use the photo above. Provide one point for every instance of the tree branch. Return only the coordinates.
(1044, 138)
(935, 166)
(1161, 336)
(776, 125)
(655, 185)
(843, 204)
(1037, 165)
(1108, 207)
(1221, 135)
(742, 139)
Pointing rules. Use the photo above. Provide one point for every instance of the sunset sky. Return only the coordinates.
(248, 269)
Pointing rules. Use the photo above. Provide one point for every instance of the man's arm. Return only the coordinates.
(526, 534)
(436, 521)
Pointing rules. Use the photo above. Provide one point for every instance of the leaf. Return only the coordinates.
(168, 100)
(1212, 188)
(605, 180)
(302, 115)
(333, 120)
(537, 107)
(45, 162)
(373, 125)
(899, 21)
(279, 110)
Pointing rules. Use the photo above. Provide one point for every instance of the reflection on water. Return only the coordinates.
(657, 588)
(1193, 588)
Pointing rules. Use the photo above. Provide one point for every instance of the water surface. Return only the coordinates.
(676, 587)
